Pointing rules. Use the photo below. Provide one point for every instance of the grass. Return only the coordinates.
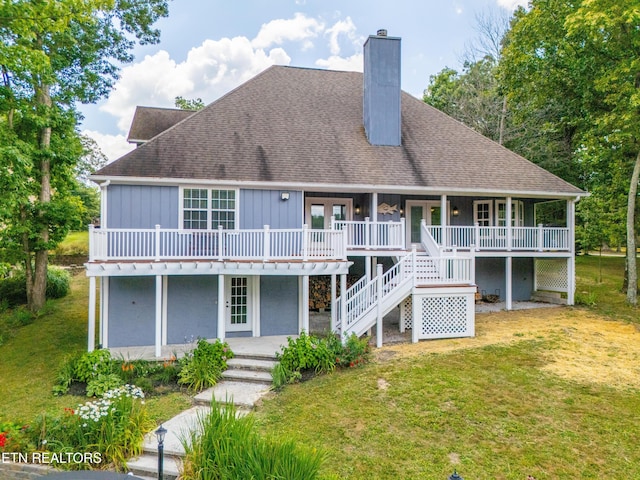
(422, 417)
(490, 412)
(76, 243)
(30, 358)
(599, 286)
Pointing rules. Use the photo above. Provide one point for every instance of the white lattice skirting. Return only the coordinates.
(551, 274)
(443, 313)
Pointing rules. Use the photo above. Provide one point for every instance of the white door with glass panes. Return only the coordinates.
(483, 217)
(238, 303)
(415, 211)
(318, 211)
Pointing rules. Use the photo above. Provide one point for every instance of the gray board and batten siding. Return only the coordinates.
(142, 206)
(145, 206)
(490, 277)
(132, 310)
(192, 308)
(279, 305)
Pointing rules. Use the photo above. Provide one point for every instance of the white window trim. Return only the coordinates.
(209, 188)
(475, 211)
(517, 209)
(327, 202)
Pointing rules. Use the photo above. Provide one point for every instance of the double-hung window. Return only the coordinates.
(204, 208)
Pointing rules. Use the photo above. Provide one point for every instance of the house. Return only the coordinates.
(215, 226)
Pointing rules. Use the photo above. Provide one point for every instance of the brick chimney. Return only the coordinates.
(381, 100)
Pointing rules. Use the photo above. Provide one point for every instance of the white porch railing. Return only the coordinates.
(396, 283)
(368, 235)
(174, 244)
(501, 238)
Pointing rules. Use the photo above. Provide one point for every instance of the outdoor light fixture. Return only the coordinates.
(357, 209)
(455, 211)
(455, 476)
(160, 433)
(284, 196)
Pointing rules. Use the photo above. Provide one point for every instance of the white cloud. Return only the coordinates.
(300, 28)
(512, 4)
(113, 146)
(354, 63)
(217, 66)
(210, 70)
(342, 27)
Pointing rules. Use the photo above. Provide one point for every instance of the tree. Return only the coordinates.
(54, 54)
(582, 59)
(189, 103)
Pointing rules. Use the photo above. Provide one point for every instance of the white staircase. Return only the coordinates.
(367, 302)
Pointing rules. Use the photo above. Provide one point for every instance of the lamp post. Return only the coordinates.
(455, 476)
(160, 433)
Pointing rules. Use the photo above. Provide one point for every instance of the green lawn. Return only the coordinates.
(490, 412)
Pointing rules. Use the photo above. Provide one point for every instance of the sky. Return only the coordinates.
(209, 47)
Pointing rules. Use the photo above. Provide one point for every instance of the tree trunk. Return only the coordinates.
(37, 298)
(632, 286)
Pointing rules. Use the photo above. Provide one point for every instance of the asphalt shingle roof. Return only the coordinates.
(150, 121)
(299, 125)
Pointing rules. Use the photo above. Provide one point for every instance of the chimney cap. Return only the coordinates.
(382, 32)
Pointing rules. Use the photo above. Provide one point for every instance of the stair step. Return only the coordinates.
(243, 395)
(243, 363)
(255, 356)
(248, 376)
(147, 464)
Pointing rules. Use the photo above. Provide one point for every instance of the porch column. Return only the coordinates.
(508, 283)
(508, 224)
(305, 303)
(101, 315)
(158, 315)
(443, 214)
(571, 261)
(104, 311)
(374, 207)
(333, 302)
(103, 203)
(367, 268)
(343, 305)
(379, 305)
(91, 341)
(221, 309)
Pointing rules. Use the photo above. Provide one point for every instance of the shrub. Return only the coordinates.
(112, 427)
(229, 448)
(320, 355)
(58, 282)
(202, 367)
(66, 375)
(102, 383)
(13, 289)
(15, 438)
(92, 364)
(307, 352)
(356, 351)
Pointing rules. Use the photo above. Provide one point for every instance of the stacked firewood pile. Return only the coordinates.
(320, 291)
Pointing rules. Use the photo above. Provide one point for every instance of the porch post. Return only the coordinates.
(104, 311)
(444, 219)
(509, 282)
(305, 304)
(343, 305)
(158, 315)
(571, 261)
(103, 203)
(379, 305)
(91, 341)
(508, 224)
(221, 309)
(374, 207)
(101, 314)
(333, 302)
(367, 267)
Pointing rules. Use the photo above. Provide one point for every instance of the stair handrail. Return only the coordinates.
(366, 297)
(428, 242)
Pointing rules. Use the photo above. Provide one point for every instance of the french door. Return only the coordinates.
(238, 303)
(415, 211)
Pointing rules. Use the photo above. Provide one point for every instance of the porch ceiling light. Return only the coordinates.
(357, 209)
(284, 196)
(455, 211)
